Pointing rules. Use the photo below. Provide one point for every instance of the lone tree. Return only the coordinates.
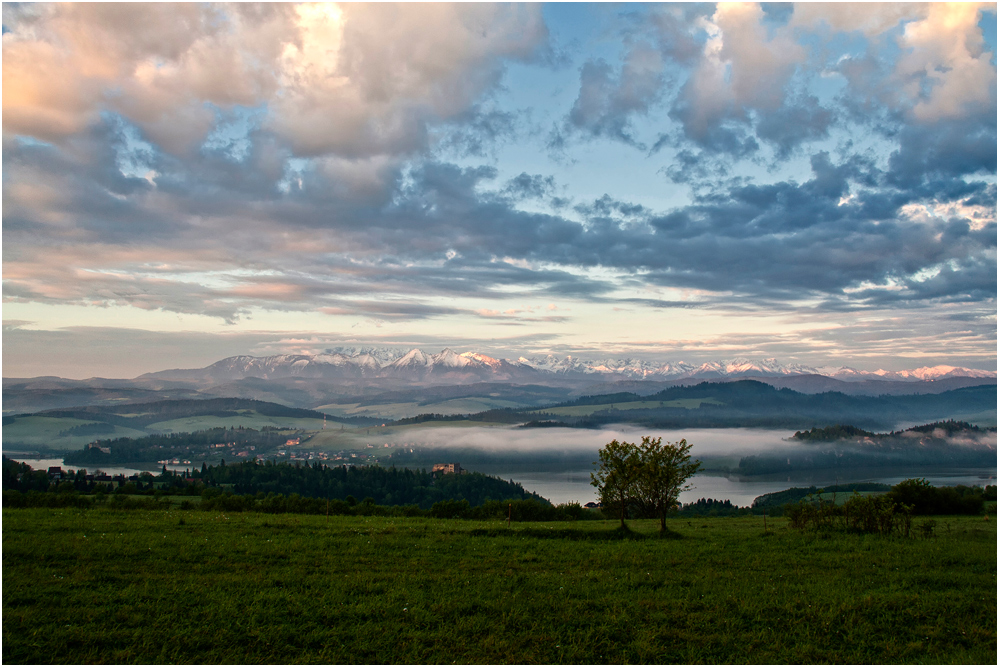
(616, 477)
(663, 475)
(646, 478)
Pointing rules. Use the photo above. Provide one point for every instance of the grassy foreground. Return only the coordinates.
(105, 586)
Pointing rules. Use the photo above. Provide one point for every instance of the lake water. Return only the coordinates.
(44, 464)
(566, 486)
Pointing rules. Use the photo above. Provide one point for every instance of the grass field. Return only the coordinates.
(103, 586)
(582, 411)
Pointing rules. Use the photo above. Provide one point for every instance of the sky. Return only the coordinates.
(681, 182)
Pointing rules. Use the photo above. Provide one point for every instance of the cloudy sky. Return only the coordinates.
(815, 182)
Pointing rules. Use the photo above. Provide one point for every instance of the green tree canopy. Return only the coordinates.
(644, 479)
(616, 476)
(663, 474)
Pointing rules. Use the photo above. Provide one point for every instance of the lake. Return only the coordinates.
(566, 486)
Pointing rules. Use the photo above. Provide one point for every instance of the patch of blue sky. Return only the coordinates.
(233, 127)
(134, 156)
(590, 28)
(776, 15)
(295, 168)
(988, 24)
(27, 140)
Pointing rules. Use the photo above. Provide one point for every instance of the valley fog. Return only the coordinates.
(556, 462)
(584, 443)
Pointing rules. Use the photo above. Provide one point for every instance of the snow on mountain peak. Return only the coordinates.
(449, 358)
(386, 362)
(414, 358)
(491, 362)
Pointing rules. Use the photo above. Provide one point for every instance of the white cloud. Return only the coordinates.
(945, 53)
(355, 81)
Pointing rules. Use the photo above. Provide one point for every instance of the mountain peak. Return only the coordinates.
(451, 367)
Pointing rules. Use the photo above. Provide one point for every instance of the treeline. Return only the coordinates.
(775, 500)
(89, 429)
(926, 499)
(949, 427)
(853, 448)
(385, 487)
(890, 513)
(846, 431)
(517, 510)
(915, 496)
(713, 508)
(494, 415)
(835, 433)
(159, 446)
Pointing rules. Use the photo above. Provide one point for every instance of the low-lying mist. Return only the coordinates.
(559, 443)
(717, 448)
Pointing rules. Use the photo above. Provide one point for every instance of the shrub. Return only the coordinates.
(925, 499)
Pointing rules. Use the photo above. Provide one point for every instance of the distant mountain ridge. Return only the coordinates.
(451, 367)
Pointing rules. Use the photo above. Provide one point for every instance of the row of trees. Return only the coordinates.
(643, 480)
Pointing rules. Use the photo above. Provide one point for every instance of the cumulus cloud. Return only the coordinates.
(366, 79)
(608, 100)
(356, 81)
(945, 71)
(742, 68)
(870, 18)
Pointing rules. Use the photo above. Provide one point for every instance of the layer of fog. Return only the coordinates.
(576, 443)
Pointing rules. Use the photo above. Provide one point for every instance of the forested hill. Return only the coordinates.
(842, 432)
(387, 486)
(374, 484)
(751, 403)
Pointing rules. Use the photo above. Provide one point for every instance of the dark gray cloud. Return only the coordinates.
(480, 132)
(945, 150)
(530, 186)
(608, 100)
(794, 123)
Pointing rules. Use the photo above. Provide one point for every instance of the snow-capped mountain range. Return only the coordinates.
(449, 366)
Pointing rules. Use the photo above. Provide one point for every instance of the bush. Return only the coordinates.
(450, 509)
(880, 515)
(929, 500)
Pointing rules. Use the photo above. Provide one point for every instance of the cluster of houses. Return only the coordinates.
(441, 469)
(232, 449)
(56, 474)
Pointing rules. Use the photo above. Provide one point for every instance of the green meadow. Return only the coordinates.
(110, 586)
